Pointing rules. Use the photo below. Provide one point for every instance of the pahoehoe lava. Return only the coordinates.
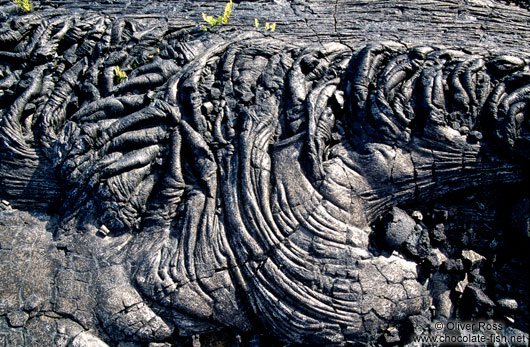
(234, 179)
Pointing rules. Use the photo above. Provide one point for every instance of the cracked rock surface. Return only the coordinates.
(321, 184)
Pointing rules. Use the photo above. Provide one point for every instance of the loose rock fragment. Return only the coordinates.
(399, 228)
(472, 259)
(508, 304)
(476, 304)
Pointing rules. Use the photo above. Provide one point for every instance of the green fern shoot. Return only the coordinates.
(221, 20)
(25, 5)
(119, 75)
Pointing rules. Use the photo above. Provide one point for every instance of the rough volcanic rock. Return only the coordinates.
(399, 228)
(351, 177)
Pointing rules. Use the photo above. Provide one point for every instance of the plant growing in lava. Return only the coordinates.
(25, 5)
(221, 20)
(119, 75)
(268, 26)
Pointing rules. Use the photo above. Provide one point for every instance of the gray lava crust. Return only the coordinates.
(251, 188)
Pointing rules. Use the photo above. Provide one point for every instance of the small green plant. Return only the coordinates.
(25, 5)
(119, 75)
(268, 26)
(221, 20)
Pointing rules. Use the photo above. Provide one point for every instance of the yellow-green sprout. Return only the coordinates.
(25, 5)
(221, 20)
